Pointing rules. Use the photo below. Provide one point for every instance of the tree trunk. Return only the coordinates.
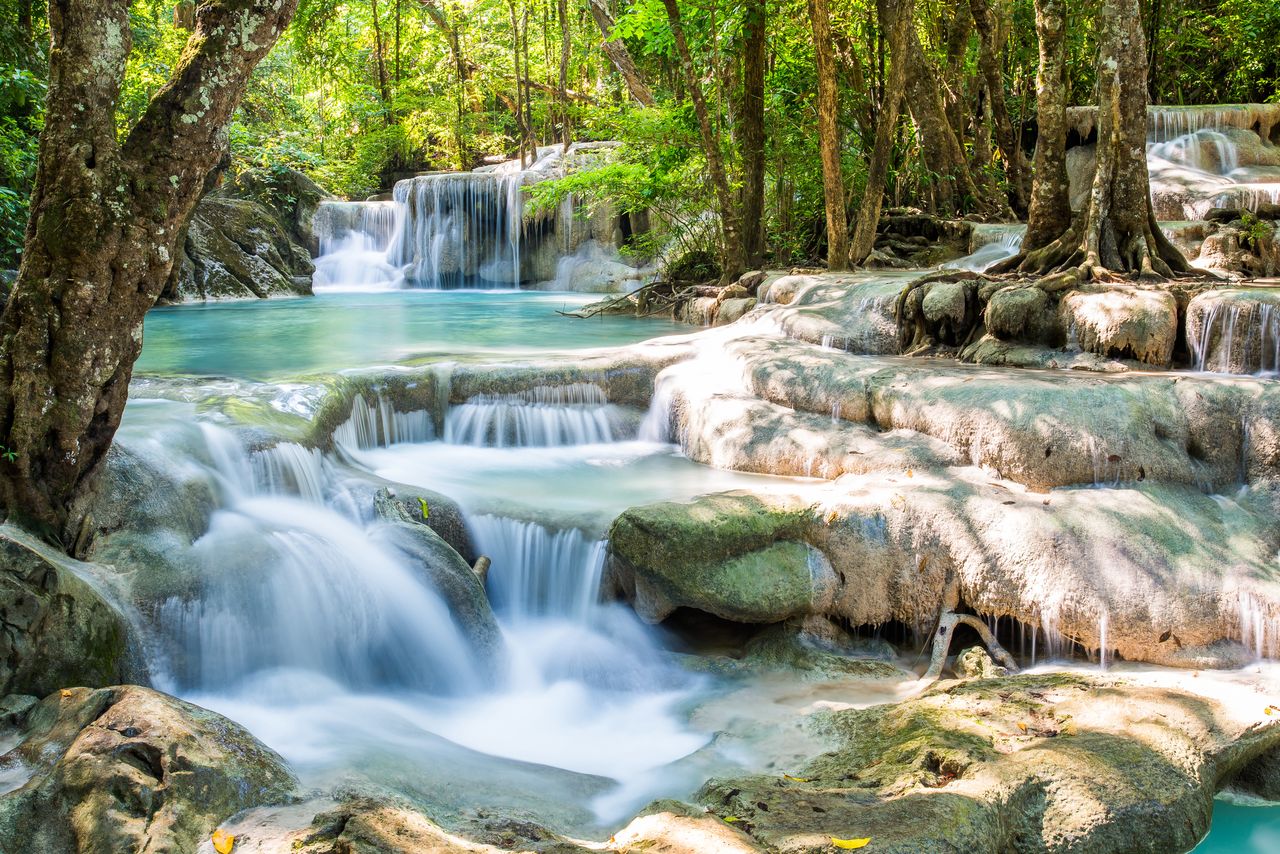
(732, 259)
(753, 135)
(956, 32)
(989, 63)
(105, 218)
(829, 137)
(566, 46)
(1049, 212)
(1117, 231)
(521, 133)
(461, 70)
(944, 157)
(384, 90)
(619, 55)
(899, 21)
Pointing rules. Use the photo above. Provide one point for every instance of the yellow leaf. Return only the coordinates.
(796, 779)
(1022, 726)
(66, 692)
(223, 842)
(730, 819)
(850, 844)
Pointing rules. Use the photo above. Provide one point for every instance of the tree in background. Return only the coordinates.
(105, 215)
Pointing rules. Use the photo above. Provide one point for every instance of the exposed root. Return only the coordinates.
(947, 623)
(646, 301)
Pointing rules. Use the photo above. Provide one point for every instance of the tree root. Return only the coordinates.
(947, 622)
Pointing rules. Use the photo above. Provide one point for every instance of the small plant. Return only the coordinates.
(8, 453)
(422, 505)
(1256, 230)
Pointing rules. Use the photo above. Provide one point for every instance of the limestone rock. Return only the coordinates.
(1018, 314)
(734, 309)
(130, 769)
(55, 628)
(1053, 763)
(289, 195)
(235, 249)
(976, 663)
(1124, 322)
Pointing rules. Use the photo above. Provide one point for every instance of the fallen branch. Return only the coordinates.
(947, 622)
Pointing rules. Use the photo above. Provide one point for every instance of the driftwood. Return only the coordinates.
(646, 301)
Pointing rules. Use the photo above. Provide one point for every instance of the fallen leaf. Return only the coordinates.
(1022, 726)
(730, 819)
(909, 473)
(422, 505)
(1167, 634)
(850, 844)
(223, 842)
(796, 779)
(66, 692)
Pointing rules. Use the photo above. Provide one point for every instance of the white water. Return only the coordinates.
(990, 244)
(546, 416)
(1235, 332)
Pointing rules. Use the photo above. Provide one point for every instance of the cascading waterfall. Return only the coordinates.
(546, 416)
(380, 425)
(990, 244)
(461, 230)
(288, 582)
(354, 238)
(1212, 156)
(1234, 334)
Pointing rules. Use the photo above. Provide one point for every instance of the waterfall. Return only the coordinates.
(540, 572)
(354, 238)
(461, 230)
(1204, 157)
(546, 416)
(381, 425)
(289, 582)
(1234, 332)
(989, 244)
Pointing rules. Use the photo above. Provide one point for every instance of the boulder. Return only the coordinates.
(1019, 313)
(976, 663)
(235, 249)
(458, 585)
(1124, 322)
(734, 309)
(128, 769)
(291, 197)
(1053, 763)
(56, 628)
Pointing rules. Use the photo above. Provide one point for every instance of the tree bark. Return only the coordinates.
(753, 134)
(1049, 211)
(566, 46)
(619, 55)
(1117, 230)
(105, 217)
(732, 259)
(898, 20)
(829, 137)
(989, 63)
(943, 155)
(384, 90)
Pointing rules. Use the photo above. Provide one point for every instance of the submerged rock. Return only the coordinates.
(55, 627)
(130, 769)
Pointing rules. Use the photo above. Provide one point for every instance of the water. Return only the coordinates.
(1242, 826)
(989, 245)
(271, 339)
(1235, 331)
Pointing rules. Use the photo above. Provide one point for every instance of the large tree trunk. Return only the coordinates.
(898, 20)
(829, 138)
(944, 157)
(1049, 212)
(618, 53)
(753, 67)
(1117, 230)
(989, 63)
(105, 217)
(732, 258)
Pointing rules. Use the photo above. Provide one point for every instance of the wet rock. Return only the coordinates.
(734, 309)
(445, 572)
(1019, 313)
(1051, 763)
(814, 649)
(56, 628)
(131, 769)
(404, 503)
(235, 249)
(751, 282)
(976, 663)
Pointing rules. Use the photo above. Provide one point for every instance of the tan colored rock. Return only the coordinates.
(129, 769)
(1123, 322)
